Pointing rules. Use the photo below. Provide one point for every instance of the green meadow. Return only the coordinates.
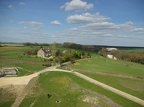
(125, 76)
(71, 91)
(12, 56)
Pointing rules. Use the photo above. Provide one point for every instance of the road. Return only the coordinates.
(31, 81)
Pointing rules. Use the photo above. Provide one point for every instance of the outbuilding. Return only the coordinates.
(9, 71)
(111, 56)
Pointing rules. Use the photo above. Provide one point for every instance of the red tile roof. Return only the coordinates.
(46, 50)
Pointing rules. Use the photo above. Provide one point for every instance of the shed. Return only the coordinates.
(9, 71)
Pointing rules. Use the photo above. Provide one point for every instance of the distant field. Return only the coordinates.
(11, 55)
(72, 91)
(125, 76)
(132, 49)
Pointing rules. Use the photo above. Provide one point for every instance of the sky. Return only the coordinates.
(88, 22)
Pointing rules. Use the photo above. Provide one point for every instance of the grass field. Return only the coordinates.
(125, 76)
(132, 49)
(9, 57)
(72, 91)
(12, 56)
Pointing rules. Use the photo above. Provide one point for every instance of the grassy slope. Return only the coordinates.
(111, 68)
(6, 98)
(9, 57)
(99, 64)
(69, 89)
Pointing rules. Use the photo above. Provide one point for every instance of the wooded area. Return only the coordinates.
(137, 57)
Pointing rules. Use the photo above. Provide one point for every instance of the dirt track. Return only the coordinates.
(24, 92)
(114, 90)
(26, 80)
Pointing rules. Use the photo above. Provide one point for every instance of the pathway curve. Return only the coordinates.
(30, 81)
(114, 90)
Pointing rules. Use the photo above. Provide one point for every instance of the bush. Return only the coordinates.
(46, 65)
(31, 52)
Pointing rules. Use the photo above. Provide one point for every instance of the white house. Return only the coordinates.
(111, 57)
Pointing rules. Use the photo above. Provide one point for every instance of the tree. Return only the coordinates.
(53, 49)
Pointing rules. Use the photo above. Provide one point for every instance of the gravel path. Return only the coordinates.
(114, 90)
(29, 81)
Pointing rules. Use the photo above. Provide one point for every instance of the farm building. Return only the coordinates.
(111, 49)
(44, 52)
(9, 71)
(111, 56)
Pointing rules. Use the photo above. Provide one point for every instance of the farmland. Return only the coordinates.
(69, 89)
(126, 76)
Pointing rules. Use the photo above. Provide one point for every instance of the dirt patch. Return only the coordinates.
(91, 100)
(77, 63)
(89, 61)
(98, 100)
(10, 92)
(4, 81)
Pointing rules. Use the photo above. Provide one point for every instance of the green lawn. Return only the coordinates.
(25, 67)
(99, 64)
(122, 75)
(71, 91)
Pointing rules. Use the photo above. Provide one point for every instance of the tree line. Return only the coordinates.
(137, 57)
(82, 47)
(35, 44)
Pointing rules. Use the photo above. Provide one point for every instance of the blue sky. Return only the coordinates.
(91, 22)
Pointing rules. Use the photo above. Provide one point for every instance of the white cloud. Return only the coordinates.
(36, 24)
(100, 26)
(74, 29)
(86, 18)
(105, 29)
(33, 23)
(77, 5)
(128, 26)
(22, 22)
(56, 22)
(22, 3)
(11, 6)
